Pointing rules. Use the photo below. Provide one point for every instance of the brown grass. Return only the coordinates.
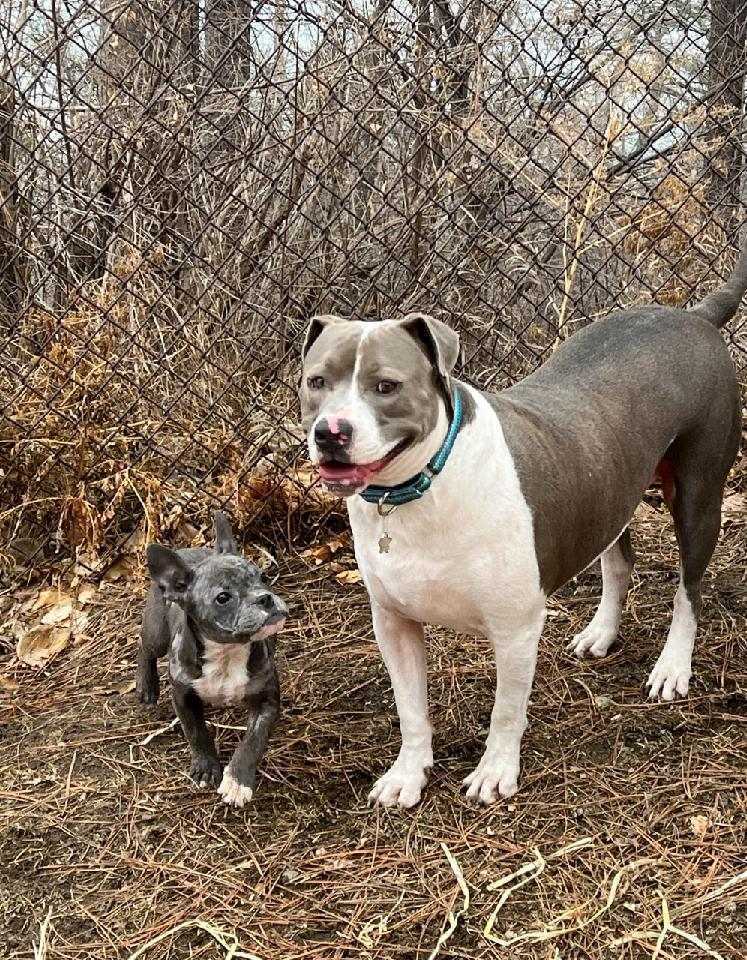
(627, 838)
(124, 419)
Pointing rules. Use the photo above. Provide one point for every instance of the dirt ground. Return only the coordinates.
(627, 838)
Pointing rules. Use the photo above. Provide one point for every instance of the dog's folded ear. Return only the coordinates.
(169, 571)
(316, 326)
(441, 345)
(224, 539)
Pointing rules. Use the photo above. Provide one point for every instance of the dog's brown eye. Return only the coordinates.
(315, 383)
(223, 598)
(385, 387)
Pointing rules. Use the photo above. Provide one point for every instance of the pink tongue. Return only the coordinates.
(355, 474)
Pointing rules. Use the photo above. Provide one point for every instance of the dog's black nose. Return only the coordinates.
(265, 601)
(333, 434)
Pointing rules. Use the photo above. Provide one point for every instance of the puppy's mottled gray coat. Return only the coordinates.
(212, 613)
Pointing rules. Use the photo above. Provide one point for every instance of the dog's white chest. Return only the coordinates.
(463, 556)
(224, 679)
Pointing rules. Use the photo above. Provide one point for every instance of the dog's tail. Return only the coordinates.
(721, 305)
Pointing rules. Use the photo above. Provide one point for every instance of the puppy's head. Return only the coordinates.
(372, 391)
(223, 594)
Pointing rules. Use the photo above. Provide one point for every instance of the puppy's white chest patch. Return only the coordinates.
(224, 677)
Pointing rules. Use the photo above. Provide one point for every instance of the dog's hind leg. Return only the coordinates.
(154, 643)
(617, 566)
(701, 464)
(697, 518)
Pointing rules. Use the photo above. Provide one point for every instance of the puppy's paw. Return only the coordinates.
(402, 785)
(497, 771)
(147, 685)
(206, 771)
(670, 676)
(596, 640)
(232, 792)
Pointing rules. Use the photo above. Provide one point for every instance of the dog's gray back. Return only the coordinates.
(607, 406)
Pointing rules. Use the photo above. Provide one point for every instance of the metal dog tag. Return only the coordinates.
(385, 541)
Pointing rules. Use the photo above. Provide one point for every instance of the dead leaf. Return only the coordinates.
(85, 566)
(47, 598)
(126, 687)
(318, 554)
(8, 686)
(78, 621)
(86, 594)
(136, 540)
(121, 570)
(349, 576)
(80, 523)
(700, 825)
(40, 644)
(58, 613)
(323, 552)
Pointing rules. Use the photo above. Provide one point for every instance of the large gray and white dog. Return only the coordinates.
(543, 478)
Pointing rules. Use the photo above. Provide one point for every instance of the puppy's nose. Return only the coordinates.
(333, 433)
(265, 601)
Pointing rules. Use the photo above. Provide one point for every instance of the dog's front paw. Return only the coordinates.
(206, 771)
(402, 785)
(497, 771)
(596, 639)
(670, 676)
(233, 793)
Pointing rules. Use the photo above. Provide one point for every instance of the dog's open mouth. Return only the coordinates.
(339, 476)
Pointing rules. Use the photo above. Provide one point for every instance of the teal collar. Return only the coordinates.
(415, 487)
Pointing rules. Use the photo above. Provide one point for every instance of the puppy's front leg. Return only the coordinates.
(515, 659)
(239, 777)
(205, 769)
(401, 644)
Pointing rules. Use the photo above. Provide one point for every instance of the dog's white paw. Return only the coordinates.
(232, 792)
(671, 675)
(402, 785)
(497, 771)
(596, 639)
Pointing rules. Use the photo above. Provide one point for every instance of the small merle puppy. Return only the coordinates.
(213, 614)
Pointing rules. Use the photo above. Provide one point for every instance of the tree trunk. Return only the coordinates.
(148, 67)
(227, 42)
(726, 65)
(12, 253)
(147, 46)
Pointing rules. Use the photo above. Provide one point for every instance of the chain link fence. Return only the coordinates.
(183, 184)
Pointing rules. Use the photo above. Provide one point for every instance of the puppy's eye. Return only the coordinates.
(385, 387)
(315, 383)
(223, 598)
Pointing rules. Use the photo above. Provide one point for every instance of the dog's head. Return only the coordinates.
(371, 393)
(223, 593)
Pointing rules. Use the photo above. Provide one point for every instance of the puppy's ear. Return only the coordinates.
(224, 541)
(316, 326)
(441, 345)
(169, 571)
